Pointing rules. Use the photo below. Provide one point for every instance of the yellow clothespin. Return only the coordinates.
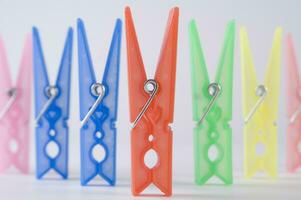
(260, 109)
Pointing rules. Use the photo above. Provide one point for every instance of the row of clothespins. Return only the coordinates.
(151, 109)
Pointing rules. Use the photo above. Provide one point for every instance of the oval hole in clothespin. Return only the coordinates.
(260, 148)
(213, 153)
(150, 138)
(98, 153)
(52, 149)
(98, 135)
(150, 158)
(52, 132)
(13, 146)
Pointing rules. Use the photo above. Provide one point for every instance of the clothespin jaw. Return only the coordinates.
(15, 111)
(52, 109)
(293, 88)
(260, 103)
(212, 109)
(99, 130)
(151, 109)
(249, 79)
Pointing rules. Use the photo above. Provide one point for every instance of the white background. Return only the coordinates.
(53, 18)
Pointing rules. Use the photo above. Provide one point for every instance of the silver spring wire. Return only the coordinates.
(98, 90)
(151, 87)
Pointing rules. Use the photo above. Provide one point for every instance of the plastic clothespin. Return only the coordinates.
(260, 109)
(15, 111)
(212, 109)
(98, 109)
(293, 88)
(52, 110)
(151, 108)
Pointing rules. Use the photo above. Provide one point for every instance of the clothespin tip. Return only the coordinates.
(80, 23)
(232, 21)
(35, 31)
(70, 32)
(127, 10)
(175, 9)
(118, 23)
(243, 29)
(192, 23)
(278, 28)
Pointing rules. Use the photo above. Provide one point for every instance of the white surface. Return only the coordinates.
(28, 188)
(52, 17)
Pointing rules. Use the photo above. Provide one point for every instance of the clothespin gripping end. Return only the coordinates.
(98, 90)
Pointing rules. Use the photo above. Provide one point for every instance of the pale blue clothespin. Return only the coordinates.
(52, 110)
(98, 109)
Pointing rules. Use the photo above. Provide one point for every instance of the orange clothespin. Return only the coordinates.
(151, 108)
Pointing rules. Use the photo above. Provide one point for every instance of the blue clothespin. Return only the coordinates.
(98, 109)
(52, 110)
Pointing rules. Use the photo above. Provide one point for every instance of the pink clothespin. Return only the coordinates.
(293, 108)
(15, 111)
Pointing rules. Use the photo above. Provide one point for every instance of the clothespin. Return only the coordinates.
(212, 109)
(151, 108)
(52, 110)
(260, 109)
(15, 111)
(98, 109)
(293, 88)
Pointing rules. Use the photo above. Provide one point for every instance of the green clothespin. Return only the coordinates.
(212, 109)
